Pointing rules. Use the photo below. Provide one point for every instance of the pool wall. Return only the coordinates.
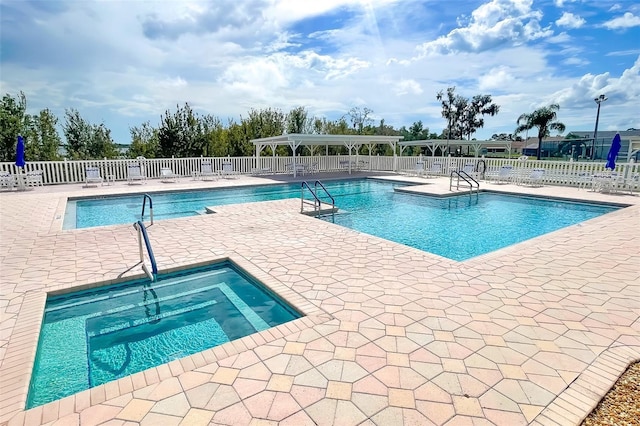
(31, 319)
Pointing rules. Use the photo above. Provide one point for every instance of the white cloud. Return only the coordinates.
(570, 20)
(559, 38)
(493, 24)
(628, 20)
(94, 56)
(560, 3)
(623, 91)
(408, 87)
(615, 7)
(575, 61)
(496, 78)
(631, 52)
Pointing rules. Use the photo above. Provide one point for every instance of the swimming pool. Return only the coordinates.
(458, 227)
(95, 336)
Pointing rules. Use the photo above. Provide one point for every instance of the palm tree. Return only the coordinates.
(544, 119)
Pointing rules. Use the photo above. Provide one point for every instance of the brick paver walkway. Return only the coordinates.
(394, 335)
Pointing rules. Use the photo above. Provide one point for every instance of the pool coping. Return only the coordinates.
(31, 316)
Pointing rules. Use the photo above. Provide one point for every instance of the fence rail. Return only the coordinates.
(567, 173)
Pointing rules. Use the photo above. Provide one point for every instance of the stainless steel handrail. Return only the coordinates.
(316, 203)
(468, 179)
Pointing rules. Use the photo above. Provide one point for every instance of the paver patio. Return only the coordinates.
(535, 333)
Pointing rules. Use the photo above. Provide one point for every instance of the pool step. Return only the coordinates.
(133, 290)
(149, 319)
(154, 300)
(325, 209)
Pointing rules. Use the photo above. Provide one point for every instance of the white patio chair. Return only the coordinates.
(227, 171)
(167, 175)
(7, 180)
(92, 176)
(34, 178)
(470, 169)
(632, 183)
(135, 174)
(534, 178)
(505, 174)
(435, 170)
(206, 171)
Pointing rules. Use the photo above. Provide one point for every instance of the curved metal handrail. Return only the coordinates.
(142, 235)
(465, 176)
(316, 203)
(315, 186)
(333, 201)
(144, 203)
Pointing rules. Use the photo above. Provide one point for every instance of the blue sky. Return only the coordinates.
(126, 62)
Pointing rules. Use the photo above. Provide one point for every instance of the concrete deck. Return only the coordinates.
(535, 333)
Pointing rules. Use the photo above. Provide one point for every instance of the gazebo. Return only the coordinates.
(351, 142)
(433, 144)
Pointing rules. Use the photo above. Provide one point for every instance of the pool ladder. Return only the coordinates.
(461, 174)
(316, 202)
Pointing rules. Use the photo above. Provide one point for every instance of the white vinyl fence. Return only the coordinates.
(556, 172)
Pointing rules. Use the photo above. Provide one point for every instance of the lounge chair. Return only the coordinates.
(534, 178)
(505, 174)
(258, 171)
(434, 170)
(7, 181)
(470, 169)
(227, 171)
(300, 169)
(135, 174)
(632, 182)
(167, 175)
(34, 178)
(206, 171)
(92, 177)
(418, 170)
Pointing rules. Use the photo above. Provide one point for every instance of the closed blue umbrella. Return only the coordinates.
(613, 152)
(20, 152)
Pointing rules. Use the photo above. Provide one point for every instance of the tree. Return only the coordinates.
(465, 116)
(480, 105)
(298, 121)
(502, 137)
(12, 124)
(264, 123)
(217, 137)
(144, 141)
(360, 117)
(238, 140)
(450, 105)
(181, 134)
(544, 119)
(42, 138)
(85, 140)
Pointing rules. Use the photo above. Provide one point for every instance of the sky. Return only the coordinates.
(122, 63)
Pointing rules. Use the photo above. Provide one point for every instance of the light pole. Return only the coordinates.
(598, 100)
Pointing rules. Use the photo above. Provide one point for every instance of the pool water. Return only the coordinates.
(91, 337)
(460, 227)
(457, 227)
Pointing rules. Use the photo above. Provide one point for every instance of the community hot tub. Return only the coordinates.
(91, 337)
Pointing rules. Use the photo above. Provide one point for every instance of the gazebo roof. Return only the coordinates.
(298, 139)
(434, 144)
(457, 142)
